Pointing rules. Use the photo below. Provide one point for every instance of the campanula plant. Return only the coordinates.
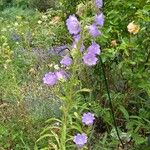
(67, 85)
(74, 131)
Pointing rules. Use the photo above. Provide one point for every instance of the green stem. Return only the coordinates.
(110, 102)
(64, 132)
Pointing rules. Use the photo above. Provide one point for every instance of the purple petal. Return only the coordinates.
(93, 30)
(94, 49)
(73, 25)
(90, 59)
(99, 19)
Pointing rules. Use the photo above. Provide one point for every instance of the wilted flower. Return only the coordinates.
(88, 118)
(90, 59)
(94, 48)
(99, 3)
(73, 24)
(93, 30)
(66, 61)
(55, 19)
(99, 19)
(80, 140)
(50, 78)
(114, 43)
(133, 28)
(61, 75)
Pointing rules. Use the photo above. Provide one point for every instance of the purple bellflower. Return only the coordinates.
(66, 61)
(94, 49)
(93, 30)
(80, 140)
(99, 19)
(90, 59)
(50, 79)
(99, 3)
(61, 75)
(73, 25)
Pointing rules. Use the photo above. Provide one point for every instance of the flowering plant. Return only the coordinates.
(82, 54)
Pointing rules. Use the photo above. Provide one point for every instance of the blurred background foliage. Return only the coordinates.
(28, 31)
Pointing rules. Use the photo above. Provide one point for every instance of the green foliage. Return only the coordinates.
(43, 5)
(27, 36)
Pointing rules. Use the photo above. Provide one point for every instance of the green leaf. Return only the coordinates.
(44, 136)
(52, 120)
(147, 7)
(125, 112)
(84, 90)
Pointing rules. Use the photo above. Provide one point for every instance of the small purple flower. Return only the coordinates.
(73, 24)
(66, 61)
(50, 78)
(90, 59)
(94, 49)
(61, 75)
(99, 19)
(80, 140)
(88, 118)
(93, 30)
(99, 3)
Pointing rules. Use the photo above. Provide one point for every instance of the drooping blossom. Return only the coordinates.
(94, 48)
(73, 24)
(99, 19)
(90, 59)
(80, 140)
(93, 30)
(50, 78)
(88, 118)
(66, 61)
(61, 75)
(99, 3)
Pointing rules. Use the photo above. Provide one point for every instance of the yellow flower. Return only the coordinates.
(133, 28)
